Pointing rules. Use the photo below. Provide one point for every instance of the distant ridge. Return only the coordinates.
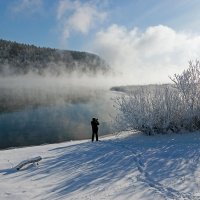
(17, 58)
(131, 88)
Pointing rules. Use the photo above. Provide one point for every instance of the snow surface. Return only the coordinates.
(126, 166)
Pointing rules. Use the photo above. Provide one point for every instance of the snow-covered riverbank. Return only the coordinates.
(130, 166)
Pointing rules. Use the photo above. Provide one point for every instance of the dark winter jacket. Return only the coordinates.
(94, 124)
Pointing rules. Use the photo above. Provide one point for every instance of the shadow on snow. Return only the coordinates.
(96, 166)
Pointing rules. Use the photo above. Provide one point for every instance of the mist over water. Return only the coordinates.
(45, 109)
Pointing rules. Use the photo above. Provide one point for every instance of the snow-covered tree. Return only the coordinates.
(168, 108)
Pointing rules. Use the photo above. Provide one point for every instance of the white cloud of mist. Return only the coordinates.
(74, 16)
(74, 81)
(28, 6)
(54, 107)
(149, 56)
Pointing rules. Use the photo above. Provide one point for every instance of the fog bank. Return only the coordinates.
(146, 56)
(46, 109)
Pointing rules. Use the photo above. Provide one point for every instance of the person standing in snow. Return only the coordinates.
(94, 124)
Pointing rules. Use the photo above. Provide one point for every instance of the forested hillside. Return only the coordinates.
(16, 58)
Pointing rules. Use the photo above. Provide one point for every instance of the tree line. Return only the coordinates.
(16, 58)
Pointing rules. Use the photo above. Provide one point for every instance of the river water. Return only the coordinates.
(61, 119)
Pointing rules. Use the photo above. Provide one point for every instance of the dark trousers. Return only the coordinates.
(94, 133)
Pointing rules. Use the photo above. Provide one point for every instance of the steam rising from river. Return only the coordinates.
(43, 109)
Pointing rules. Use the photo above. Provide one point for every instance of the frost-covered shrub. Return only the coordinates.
(168, 108)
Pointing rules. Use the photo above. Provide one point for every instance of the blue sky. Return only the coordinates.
(36, 21)
(148, 38)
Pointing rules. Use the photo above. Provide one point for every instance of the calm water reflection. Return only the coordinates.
(56, 123)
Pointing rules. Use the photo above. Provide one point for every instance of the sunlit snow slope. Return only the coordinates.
(130, 166)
